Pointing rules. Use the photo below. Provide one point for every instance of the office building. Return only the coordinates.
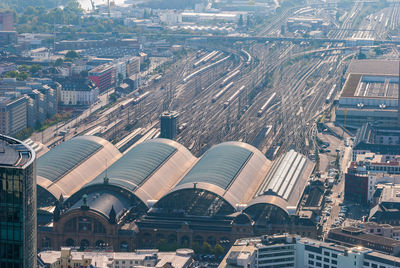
(132, 66)
(13, 114)
(17, 204)
(354, 236)
(169, 122)
(103, 76)
(67, 257)
(6, 21)
(295, 252)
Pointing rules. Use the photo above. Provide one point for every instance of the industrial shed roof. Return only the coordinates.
(232, 170)
(287, 178)
(63, 170)
(149, 169)
(62, 159)
(219, 166)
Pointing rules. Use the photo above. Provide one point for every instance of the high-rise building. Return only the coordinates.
(169, 121)
(17, 204)
(13, 114)
(6, 21)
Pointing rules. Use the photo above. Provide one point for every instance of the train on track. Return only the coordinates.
(266, 105)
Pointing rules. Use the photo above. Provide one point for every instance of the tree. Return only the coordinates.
(72, 54)
(219, 250)
(207, 249)
(240, 22)
(35, 68)
(59, 62)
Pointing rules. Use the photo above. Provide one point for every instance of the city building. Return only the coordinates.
(228, 193)
(387, 208)
(18, 204)
(370, 94)
(170, 17)
(78, 92)
(132, 66)
(374, 139)
(353, 236)
(103, 76)
(292, 251)
(385, 230)
(41, 97)
(168, 124)
(67, 257)
(209, 17)
(13, 114)
(39, 54)
(366, 172)
(6, 21)
(8, 38)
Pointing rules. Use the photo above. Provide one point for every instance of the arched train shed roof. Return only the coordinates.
(149, 170)
(232, 170)
(284, 184)
(64, 169)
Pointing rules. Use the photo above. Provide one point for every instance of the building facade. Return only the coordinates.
(6, 21)
(291, 251)
(13, 115)
(79, 92)
(17, 204)
(103, 76)
(169, 124)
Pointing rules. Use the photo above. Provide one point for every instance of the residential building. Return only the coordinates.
(103, 76)
(17, 204)
(13, 114)
(78, 92)
(41, 97)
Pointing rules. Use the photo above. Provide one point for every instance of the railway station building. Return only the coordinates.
(158, 191)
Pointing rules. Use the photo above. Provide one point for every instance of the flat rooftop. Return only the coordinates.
(14, 153)
(391, 194)
(374, 67)
(371, 86)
